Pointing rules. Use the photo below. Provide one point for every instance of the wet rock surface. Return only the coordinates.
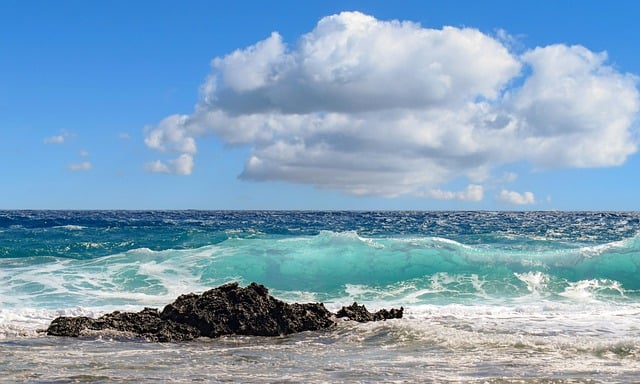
(146, 324)
(230, 309)
(226, 310)
(360, 313)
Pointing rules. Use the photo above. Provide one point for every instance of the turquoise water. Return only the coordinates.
(489, 296)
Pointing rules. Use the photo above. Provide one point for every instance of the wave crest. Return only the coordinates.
(327, 266)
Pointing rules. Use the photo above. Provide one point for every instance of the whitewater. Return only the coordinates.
(489, 297)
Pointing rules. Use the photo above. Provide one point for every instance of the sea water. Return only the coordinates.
(489, 297)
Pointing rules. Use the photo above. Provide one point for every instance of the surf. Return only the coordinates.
(325, 266)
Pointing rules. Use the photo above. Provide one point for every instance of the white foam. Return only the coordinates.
(587, 289)
(71, 227)
(536, 281)
(29, 322)
(432, 241)
(138, 277)
(348, 236)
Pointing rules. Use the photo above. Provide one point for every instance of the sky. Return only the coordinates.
(319, 105)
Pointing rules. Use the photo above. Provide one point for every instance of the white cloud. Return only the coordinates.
(84, 153)
(471, 193)
(124, 136)
(574, 111)
(254, 67)
(516, 198)
(389, 108)
(59, 139)
(84, 166)
(171, 135)
(156, 167)
(183, 165)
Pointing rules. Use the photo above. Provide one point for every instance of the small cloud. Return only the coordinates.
(84, 166)
(55, 139)
(58, 139)
(183, 165)
(509, 177)
(170, 136)
(124, 136)
(516, 198)
(157, 167)
(84, 153)
(471, 193)
(513, 42)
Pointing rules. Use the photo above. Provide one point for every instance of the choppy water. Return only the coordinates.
(488, 296)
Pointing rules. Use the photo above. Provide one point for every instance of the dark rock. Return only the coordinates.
(69, 326)
(230, 309)
(226, 310)
(145, 324)
(360, 313)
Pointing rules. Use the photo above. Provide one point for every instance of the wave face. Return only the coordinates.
(77, 262)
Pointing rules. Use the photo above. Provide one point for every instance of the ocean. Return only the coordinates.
(489, 297)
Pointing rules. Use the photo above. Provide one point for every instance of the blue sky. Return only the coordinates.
(319, 105)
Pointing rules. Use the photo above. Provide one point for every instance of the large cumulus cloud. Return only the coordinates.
(388, 108)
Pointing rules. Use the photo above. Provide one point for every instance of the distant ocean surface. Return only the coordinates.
(489, 297)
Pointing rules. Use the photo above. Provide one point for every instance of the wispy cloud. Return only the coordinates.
(84, 166)
(388, 108)
(471, 193)
(157, 167)
(58, 139)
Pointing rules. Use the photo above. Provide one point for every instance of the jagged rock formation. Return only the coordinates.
(360, 313)
(147, 324)
(226, 310)
(229, 309)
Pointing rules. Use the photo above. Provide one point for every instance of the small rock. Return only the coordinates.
(360, 313)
